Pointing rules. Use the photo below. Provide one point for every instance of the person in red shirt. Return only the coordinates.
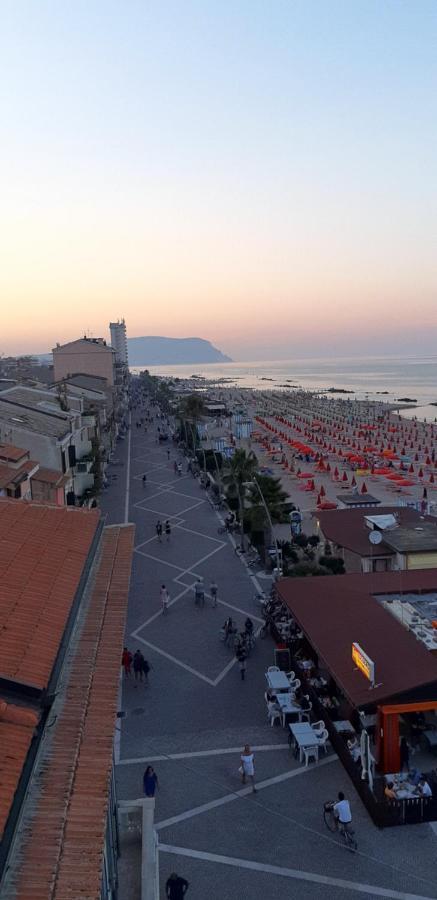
(126, 661)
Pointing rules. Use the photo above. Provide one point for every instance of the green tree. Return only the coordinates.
(240, 470)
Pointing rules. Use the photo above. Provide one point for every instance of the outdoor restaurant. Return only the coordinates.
(351, 675)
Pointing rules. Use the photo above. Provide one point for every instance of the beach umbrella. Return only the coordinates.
(322, 491)
(353, 482)
(431, 478)
(420, 473)
(363, 488)
(345, 478)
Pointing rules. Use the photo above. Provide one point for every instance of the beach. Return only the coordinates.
(326, 448)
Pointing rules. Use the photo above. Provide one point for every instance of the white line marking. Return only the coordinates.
(162, 561)
(198, 753)
(172, 658)
(126, 505)
(297, 874)
(243, 792)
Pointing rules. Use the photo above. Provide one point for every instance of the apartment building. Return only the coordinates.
(58, 439)
(119, 341)
(89, 355)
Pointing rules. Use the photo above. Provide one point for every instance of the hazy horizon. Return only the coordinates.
(259, 175)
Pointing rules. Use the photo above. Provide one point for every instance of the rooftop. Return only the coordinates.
(17, 726)
(336, 611)
(16, 415)
(43, 550)
(51, 476)
(347, 528)
(10, 453)
(358, 499)
(58, 851)
(413, 539)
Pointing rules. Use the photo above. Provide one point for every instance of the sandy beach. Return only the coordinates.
(323, 447)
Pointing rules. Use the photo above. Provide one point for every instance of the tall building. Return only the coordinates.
(119, 341)
(89, 356)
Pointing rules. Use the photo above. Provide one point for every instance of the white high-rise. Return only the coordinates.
(119, 341)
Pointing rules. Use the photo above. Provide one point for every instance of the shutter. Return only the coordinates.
(71, 456)
(422, 561)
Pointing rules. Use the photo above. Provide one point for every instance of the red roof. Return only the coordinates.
(335, 611)
(347, 527)
(10, 453)
(43, 550)
(60, 844)
(17, 725)
(50, 476)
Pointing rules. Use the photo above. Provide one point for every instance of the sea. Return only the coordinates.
(385, 379)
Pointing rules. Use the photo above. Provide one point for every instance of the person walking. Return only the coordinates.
(167, 528)
(229, 629)
(138, 665)
(241, 657)
(247, 768)
(150, 782)
(213, 590)
(168, 455)
(176, 887)
(126, 661)
(158, 527)
(165, 599)
(199, 593)
(404, 752)
(146, 669)
(144, 479)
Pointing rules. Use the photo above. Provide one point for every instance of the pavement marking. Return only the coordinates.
(159, 612)
(297, 874)
(126, 505)
(243, 792)
(195, 753)
(162, 561)
(173, 659)
(244, 612)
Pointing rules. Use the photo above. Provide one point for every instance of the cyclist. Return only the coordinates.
(342, 812)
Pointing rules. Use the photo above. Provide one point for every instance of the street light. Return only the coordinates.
(277, 551)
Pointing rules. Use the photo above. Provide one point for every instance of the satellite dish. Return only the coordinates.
(375, 537)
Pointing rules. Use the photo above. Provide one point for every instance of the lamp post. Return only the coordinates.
(277, 553)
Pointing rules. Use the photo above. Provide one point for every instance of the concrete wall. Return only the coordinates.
(85, 357)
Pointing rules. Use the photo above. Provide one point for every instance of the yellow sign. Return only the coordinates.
(363, 662)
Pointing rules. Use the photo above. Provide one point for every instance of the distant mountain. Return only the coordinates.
(156, 351)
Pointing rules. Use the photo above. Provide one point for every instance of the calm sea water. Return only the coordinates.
(366, 376)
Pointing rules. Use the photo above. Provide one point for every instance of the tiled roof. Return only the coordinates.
(51, 476)
(60, 848)
(15, 476)
(17, 726)
(10, 453)
(43, 551)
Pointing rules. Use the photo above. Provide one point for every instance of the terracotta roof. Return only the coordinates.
(347, 527)
(10, 453)
(51, 476)
(336, 610)
(15, 476)
(17, 725)
(43, 551)
(60, 847)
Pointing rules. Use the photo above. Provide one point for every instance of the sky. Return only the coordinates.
(259, 173)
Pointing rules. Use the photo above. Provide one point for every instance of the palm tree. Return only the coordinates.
(191, 410)
(241, 469)
(269, 504)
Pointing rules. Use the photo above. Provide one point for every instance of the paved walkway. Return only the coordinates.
(194, 716)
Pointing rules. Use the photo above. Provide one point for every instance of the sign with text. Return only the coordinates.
(363, 662)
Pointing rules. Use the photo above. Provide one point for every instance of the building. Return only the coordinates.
(389, 539)
(89, 355)
(119, 341)
(58, 439)
(65, 581)
(354, 500)
(16, 472)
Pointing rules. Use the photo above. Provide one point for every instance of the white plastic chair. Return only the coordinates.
(311, 753)
(306, 716)
(294, 685)
(273, 715)
(273, 669)
(291, 675)
(323, 740)
(318, 726)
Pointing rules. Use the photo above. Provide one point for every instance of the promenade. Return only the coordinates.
(193, 718)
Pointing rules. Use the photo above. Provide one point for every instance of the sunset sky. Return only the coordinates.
(260, 173)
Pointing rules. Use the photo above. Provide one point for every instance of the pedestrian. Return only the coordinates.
(165, 598)
(158, 527)
(126, 661)
(150, 782)
(176, 887)
(213, 590)
(168, 454)
(146, 669)
(199, 593)
(175, 467)
(229, 629)
(247, 769)
(241, 657)
(167, 528)
(144, 480)
(138, 665)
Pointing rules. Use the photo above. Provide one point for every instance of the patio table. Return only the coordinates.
(304, 737)
(278, 681)
(344, 726)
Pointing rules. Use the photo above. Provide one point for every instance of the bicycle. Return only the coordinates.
(334, 825)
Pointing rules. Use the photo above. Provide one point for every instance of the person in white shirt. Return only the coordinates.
(424, 788)
(342, 810)
(247, 768)
(165, 598)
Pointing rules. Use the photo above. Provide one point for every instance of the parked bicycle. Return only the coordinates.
(333, 823)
